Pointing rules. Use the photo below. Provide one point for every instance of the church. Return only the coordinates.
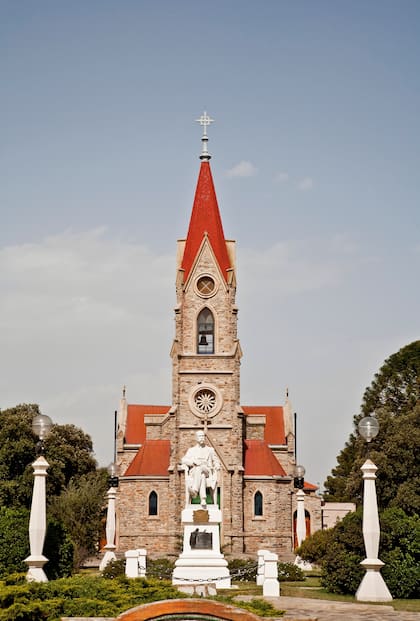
(255, 445)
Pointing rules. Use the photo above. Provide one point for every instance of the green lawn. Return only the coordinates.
(311, 588)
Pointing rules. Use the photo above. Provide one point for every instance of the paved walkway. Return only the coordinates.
(305, 609)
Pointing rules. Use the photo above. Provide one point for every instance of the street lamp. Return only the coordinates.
(110, 546)
(372, 587)
(299, 482)
(299, 477)
(41, 426)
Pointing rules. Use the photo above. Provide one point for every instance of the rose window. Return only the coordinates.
(205, 401)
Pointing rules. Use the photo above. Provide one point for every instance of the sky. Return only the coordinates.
(315, 159)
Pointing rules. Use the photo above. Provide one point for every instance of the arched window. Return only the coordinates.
(153, 503)
(258, 504)
(205, 332)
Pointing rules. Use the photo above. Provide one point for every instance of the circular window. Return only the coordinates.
(206, 286)
(205, 401)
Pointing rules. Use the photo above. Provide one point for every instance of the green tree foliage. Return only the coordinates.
(340, 550)
(17, 452)
(68, 450)
(59, 550)
(75, 489)
(393, 398)
(14, 542)
(79, 509)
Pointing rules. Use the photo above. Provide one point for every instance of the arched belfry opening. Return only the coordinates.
(205, 332)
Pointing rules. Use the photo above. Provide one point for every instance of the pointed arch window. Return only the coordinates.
(258, 504)
(205, 332)
(153, 503)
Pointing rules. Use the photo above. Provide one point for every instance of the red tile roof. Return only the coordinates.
(135, 432)
(205, 217)
(274, 421)
(153, 456)
(151, 459)
(260, 460)
(309, 486)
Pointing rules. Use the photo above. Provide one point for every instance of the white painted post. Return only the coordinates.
(132, 564)
(141, 560)
(260, 566)
(271, 585)
(37, 524)
(372, 587)
(109, 530)
(300, 516)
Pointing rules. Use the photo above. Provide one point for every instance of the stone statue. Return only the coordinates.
(201, 470)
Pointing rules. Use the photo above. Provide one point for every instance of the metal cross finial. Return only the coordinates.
(205, 121)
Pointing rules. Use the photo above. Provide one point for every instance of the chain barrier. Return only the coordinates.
(238, 575)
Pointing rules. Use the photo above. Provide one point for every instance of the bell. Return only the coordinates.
(203, 340)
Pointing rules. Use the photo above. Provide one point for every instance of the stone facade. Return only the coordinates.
(206, 357)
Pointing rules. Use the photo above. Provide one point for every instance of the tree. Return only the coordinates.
(75, 489)
(393, 398)
(339, 551)
(79, 509)
(68, 450)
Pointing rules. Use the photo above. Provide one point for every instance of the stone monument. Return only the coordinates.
(201, 561)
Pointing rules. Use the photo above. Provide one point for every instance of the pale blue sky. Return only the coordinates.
(316, 165)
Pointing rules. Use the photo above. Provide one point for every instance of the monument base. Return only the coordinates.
(201, 561)
(107, 557)
(35, 568)
(373, 587)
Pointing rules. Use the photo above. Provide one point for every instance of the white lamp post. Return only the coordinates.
(110, 546)
(372, 587)
(299, 482)
(41, 426)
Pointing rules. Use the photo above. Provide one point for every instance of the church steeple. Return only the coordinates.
(205, 216)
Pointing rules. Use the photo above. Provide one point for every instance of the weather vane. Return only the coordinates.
(205, 121)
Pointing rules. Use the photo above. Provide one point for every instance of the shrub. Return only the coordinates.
(161, 568)
(288, 572)
(242, 570)
(14, 539)
(340, 550)
(59, 550)
(114, 569)
(79, 596)
(314, 548)
(340, 570)
(401, 574)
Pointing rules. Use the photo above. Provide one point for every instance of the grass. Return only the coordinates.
(312, 589)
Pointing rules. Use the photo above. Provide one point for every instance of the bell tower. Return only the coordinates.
(206, 352)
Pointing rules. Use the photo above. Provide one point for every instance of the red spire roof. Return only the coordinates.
(205, 218)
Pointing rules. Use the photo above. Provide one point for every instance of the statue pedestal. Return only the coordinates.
(201, 561)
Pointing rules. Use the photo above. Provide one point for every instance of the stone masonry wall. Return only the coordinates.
(272, 530)
(160, 534)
